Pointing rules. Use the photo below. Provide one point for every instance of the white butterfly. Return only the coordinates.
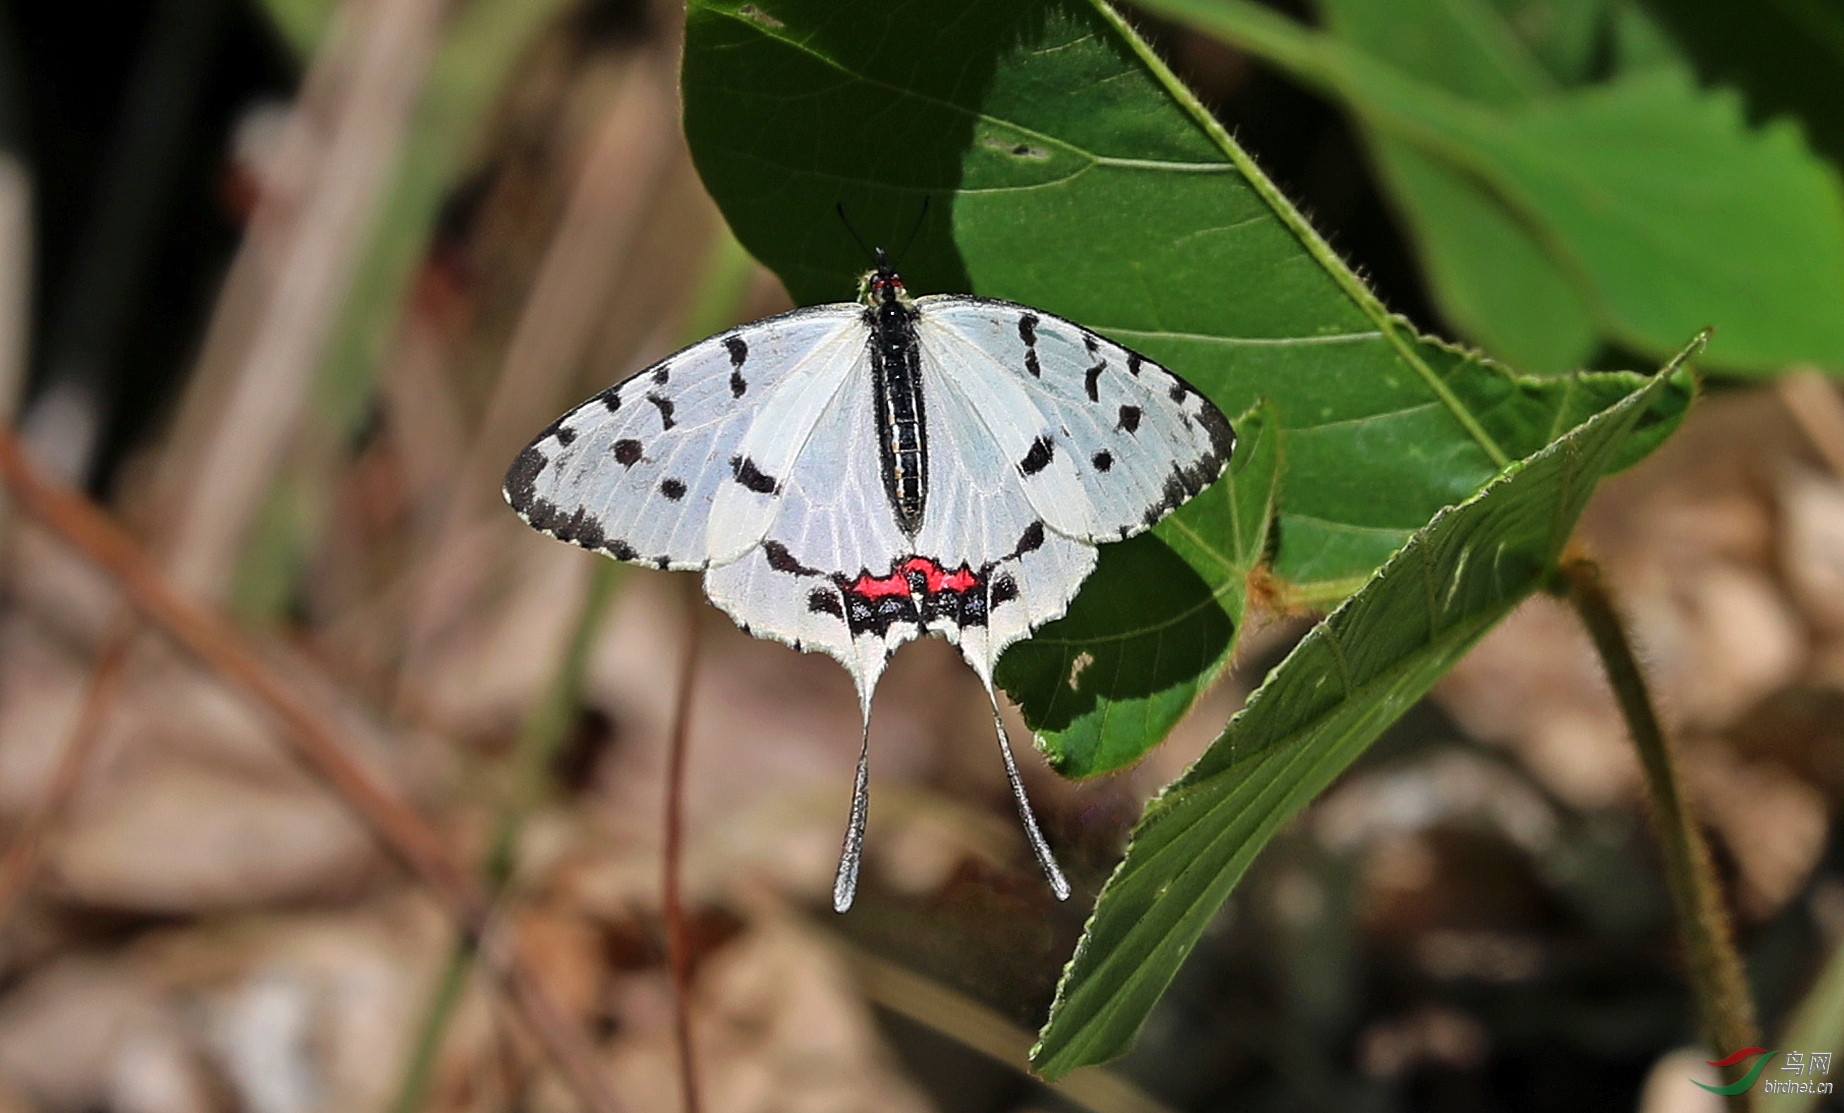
(851, 476)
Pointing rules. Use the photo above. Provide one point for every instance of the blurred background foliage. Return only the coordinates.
(285, 284)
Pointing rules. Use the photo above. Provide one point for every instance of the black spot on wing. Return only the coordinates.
(738, 385)
(1102, 460)
(783, 561)
(739, 350)
(1039, 457)
(1133, 364)
(626, 452)
(620, 550)
(661, 374)
(610, 399)
(665, 409)
(673, 489)
(565, 435)
(1091, 382)
(1004, 590)
(744, 471)
(1027, 332)
(1129, 419)
(1031, 540)
(1179, 390)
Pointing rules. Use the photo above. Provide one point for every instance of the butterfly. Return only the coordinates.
(852, 476)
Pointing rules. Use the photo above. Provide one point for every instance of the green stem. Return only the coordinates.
(420, 1073)
(1726, 1010)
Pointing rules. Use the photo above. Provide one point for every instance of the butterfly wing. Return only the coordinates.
(980, 516)
(681, 466)
(1105, 441)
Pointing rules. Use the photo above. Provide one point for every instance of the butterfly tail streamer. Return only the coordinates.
(845, 883)
(1035, 835)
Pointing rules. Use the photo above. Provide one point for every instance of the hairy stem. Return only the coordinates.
(1726, 1009)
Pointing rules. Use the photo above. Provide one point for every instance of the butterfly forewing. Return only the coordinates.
(639, 471)
(1104, 441)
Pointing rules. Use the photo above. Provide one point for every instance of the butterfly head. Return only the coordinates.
(884, 286)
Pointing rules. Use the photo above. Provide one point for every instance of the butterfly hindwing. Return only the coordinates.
(1078, 413)
(641, 471)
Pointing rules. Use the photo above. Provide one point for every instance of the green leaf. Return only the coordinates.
(1817, 1024)
(1487, 269)
(1138, 647)
(1463, 46)
(1786, 55)
(1666, 210)
(1565, 35)
(1489, 272)
(1353, 675)
(1065, 167)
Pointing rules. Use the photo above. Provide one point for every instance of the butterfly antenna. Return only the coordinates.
(845, 884)
(839, 206)
(1058, 883)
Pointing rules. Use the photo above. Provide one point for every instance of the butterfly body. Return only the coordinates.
(852, 476)
(896, 383)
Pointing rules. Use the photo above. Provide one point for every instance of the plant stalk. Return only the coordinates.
(1727, 1011)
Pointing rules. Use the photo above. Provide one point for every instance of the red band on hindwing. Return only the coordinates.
(918, 589)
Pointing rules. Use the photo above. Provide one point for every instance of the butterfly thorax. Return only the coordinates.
(896, 389)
